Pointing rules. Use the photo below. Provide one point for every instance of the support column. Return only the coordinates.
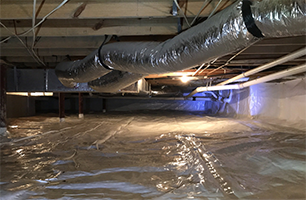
(2, 99)
(81, 114)
(104, 105)
(61, 103)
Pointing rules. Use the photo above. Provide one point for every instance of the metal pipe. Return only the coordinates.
(281, 60)
(274, 76)
(277, 75)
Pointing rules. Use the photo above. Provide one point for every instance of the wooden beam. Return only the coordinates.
(78, 42)
(298, 40)
(144, 29)
(46, 59)
(18, 9)
(272, 49)
(92, 23)
(48, 52)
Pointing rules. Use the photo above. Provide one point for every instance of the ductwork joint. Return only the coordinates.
(99, 54)
(249, 20)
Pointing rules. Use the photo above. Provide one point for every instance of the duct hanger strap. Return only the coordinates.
(99, 54)
(249, 20)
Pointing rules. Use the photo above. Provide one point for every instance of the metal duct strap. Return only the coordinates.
(249, 20)
(114, 81)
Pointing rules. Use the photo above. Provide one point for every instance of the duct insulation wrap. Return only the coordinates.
(226, 32)
(80, 71)
(114, 81)
(280, 18)
(222, 34)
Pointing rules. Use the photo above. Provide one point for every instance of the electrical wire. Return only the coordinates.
(33, 23)
(209, 64)
(32, 53)
(177, 5)
(39, 23)
(200, 11)
(214, 10)
(198, 69)
(229, 60)
(45, 17)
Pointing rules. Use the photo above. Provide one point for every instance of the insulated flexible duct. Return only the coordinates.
(80, 71)
(226, 32)
(280, 18)
(114, 81)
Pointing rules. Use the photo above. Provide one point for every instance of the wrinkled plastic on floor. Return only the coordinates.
(156, 155)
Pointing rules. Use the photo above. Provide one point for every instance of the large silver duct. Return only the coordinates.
(230, 30)
(280, 18)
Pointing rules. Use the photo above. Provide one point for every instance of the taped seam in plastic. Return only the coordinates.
(249, 20)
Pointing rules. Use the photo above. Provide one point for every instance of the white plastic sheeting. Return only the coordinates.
(207, 107)
(283, 102)
(278, 103)
(150, 155)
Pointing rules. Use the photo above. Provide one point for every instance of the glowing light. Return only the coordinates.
(18, 93)
(41, 94)
(36, 94)
(185, 79)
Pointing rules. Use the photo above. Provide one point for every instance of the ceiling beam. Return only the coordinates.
(298, 40)
(271, 49)
(48, 52)
(144, 29)
(92, 23)
(94, 9)
(78, 42)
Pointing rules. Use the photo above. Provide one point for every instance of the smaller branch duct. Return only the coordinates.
(114, 81)
(81, 71)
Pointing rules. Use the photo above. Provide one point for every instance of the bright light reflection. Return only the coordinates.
(185, 79)
(35, 94)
